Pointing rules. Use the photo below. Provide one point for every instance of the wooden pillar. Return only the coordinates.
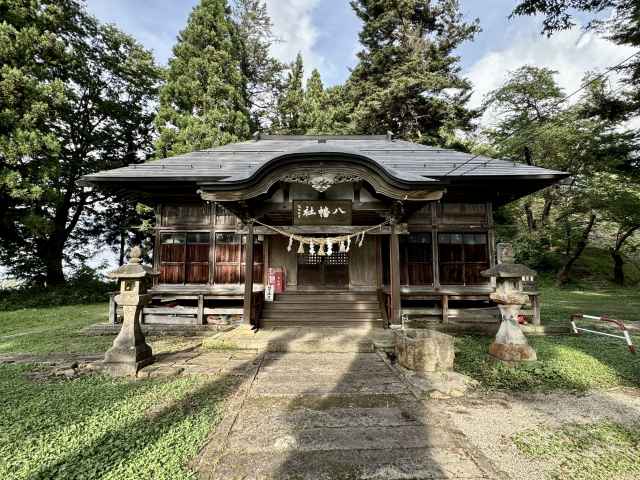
(445, 308)
(248, 276)
(394, 273)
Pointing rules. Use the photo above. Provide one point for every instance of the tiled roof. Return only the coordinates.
(402, 160)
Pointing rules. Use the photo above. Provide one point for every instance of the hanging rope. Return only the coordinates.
(323, 242)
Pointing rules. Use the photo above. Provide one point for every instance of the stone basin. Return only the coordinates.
(424, 351)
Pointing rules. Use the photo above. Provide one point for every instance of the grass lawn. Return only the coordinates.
(564, 362)
(98, 427)
(95, 426)
(55, 329)
(596, 450)
(558, 304)
(58, 329)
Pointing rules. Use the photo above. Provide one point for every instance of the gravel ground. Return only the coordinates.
(490, 421)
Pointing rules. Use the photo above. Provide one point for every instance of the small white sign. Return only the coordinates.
(268, 293)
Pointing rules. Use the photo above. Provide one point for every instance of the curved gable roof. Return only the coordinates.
(399, 160)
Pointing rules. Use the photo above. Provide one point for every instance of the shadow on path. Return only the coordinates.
(333, 416)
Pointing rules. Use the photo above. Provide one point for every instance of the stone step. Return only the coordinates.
(295, 389)
(330, 401)
(388, 464)
(279, 420)
(264, 439)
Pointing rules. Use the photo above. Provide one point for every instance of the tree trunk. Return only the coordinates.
(122, 245)
(531, 223)
(618, 260)
(563, 275)
(546, 210)
(55, 274)
(618, 264)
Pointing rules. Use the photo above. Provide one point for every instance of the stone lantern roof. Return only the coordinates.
(509, 270)
(133, 269)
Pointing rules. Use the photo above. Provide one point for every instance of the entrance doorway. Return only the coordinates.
(319, 272)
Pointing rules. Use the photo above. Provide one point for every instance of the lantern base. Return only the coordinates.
(512, 353)
(121, 362)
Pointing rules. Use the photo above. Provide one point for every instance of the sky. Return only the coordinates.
(326, 33)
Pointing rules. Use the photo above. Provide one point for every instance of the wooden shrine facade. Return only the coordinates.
(427, 213)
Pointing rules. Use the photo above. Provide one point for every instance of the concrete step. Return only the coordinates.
(429, 463)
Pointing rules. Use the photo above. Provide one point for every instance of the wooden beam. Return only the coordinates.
(394, 259)
(248, 275)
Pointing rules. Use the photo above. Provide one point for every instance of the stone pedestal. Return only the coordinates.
(130, 351)
(424, 351)
(510, 344)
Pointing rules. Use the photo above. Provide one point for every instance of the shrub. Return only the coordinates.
(84, 287)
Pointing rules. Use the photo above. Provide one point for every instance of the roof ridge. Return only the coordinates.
(320, 137)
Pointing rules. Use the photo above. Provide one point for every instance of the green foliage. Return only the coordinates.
(203, 103)
(534, 252)
(262, 73)
(77, 101)
(622, 28)
(585, 451)
(407, 79)
(98, 427)
(83, 288)
(290, 100)
(597, 151)
(313, 110)
(567, 363)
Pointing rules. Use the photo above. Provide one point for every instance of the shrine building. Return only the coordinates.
(349, 231)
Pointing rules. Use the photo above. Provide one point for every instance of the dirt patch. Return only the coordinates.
(490, 422)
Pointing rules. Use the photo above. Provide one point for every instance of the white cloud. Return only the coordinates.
(293, 26)
(571, 53)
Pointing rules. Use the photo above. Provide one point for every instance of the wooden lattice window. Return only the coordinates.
(416, 259)
(184, 257)
(462, 257)
(229, 258)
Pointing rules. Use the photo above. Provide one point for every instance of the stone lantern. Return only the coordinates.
(510, 344)
(130, 352)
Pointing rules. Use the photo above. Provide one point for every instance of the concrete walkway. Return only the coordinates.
(334, 416)
(303, 339)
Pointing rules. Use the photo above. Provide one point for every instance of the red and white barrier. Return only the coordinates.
(604, 318)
